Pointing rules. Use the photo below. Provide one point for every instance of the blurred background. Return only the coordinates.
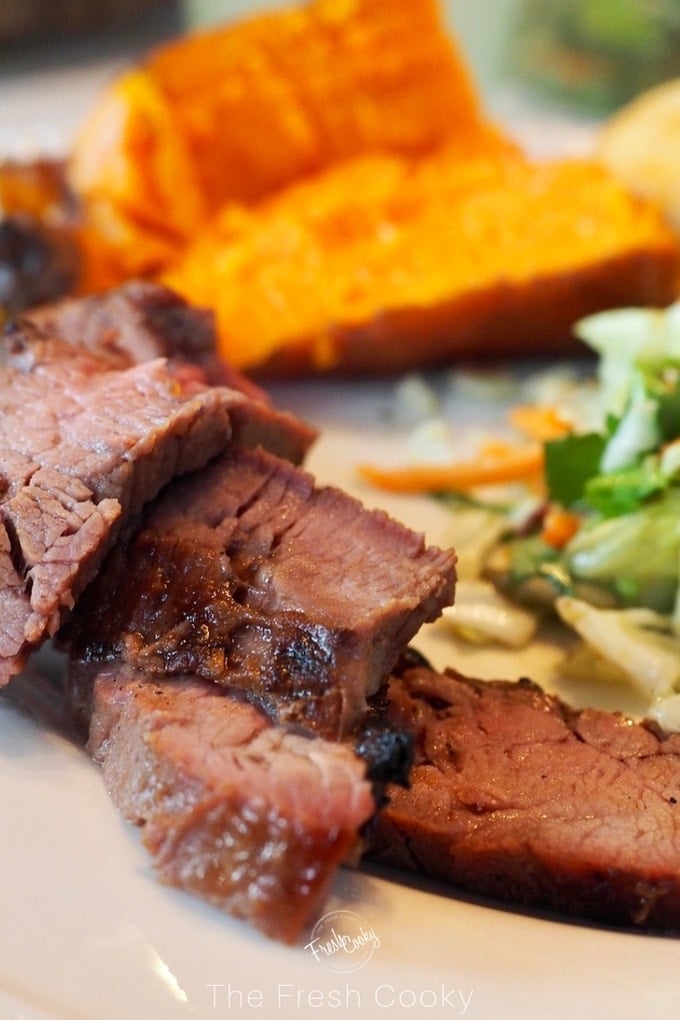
(566, 61)
(594, 54)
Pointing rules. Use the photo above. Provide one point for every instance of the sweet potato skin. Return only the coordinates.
(527, 320)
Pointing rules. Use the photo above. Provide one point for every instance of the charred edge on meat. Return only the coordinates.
(16, 554)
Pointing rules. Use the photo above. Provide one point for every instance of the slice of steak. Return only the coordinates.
(83, 446)
(141, 321)
(515, 795)
(233, 809)
(247, 574)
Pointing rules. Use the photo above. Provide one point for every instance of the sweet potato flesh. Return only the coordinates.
(331, 255)
(325, 178)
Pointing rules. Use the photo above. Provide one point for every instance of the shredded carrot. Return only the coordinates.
(497, 449)
(559, 526)
(541, 423)
(498, 463)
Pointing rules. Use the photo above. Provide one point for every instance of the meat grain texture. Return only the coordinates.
(100, 407)
(244, 814)
(82, 446)
(140, 321)
(249, 574)
(515, 795)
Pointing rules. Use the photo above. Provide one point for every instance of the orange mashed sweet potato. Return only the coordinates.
(324, 178)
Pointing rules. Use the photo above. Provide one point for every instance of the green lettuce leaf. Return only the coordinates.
(623, 492)
(570, 463)
(635, 555)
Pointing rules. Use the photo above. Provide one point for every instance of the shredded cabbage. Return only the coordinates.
(618, 473)
(640, 643)
(480, 613)
(624, 478)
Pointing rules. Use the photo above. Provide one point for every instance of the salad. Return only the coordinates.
(572, 507)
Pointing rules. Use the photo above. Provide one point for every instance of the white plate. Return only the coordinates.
(87, 932)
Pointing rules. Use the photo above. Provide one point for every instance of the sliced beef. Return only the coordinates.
(515, 795)
(239, 812)
(141, 321)
(249, 575)
(83, 445)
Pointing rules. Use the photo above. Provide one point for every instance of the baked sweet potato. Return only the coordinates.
(236, 113)
(135, 178)
(325, 178)
(384, 263)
